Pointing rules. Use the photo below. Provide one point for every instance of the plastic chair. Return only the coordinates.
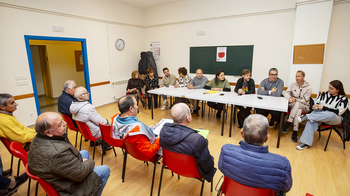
(324, 127)
(183, 165)
(106, 134)
(7, 144)
(232, 188)
(130, 148)
(86, 133)
(73, 128)
(50, 191)
(18, 151)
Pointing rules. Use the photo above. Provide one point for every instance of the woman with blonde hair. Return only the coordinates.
(134, 87)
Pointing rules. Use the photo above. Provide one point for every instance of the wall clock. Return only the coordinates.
(120, 44)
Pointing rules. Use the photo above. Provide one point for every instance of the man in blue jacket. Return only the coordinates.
(66, 99)
(178, 137)
(251, 164)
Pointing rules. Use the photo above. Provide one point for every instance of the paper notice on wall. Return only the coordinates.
(155, 48)
(221, 54)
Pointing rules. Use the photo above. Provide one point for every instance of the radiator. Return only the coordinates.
(119, 88)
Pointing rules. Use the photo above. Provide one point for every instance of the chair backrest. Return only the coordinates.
(6, 143)
(69, 122)
(130, 147)
(233, 188)
(181, 164)
(106, 133)
(18, 151)
(85, 131)
(50, 191)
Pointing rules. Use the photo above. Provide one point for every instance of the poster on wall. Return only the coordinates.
(221, 54)
(155, 49)
(79, 60)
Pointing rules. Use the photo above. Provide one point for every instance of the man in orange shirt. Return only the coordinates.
(146, 141)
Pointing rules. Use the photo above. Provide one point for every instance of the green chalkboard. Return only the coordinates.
(237, 59)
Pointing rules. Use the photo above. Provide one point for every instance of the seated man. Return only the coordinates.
(168, 80)
(54, 159)
(9, 186)
(145, 140)
(180, 138)
(197, 82)
(251, 164)
(10, 127)
(271, 86)
(66, 99)
(83, 111)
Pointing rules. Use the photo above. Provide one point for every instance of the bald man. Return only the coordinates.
(197, 82)
(54, 159)
(178, 137)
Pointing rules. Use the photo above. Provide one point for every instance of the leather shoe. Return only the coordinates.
(19, 181)
(7, 173)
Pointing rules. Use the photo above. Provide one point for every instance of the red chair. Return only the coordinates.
(18, 151)
(183, 165)
(130, 148)
(324, 127)
(71, 126)
(86, 133)
(7, 144)
(232, 188)
(50, 191)
(106, 134)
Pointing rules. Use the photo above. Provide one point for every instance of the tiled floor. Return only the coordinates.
(48, 104)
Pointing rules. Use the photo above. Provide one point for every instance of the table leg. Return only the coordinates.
(151, 105)
(232, 116)
(223, 121)
(280, 129)
(202, 108)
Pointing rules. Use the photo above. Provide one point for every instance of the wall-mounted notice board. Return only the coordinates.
(237, 59)
(308, 54)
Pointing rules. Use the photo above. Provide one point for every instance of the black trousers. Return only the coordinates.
(274, 114)
(217, 106)
(242, 114)
(155, 98)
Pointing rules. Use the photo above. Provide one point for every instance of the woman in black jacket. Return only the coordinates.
(245, 85)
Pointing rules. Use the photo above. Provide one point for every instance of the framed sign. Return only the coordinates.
(79, 64)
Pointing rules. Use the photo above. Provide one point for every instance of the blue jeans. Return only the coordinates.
(314, 119)
(102, 171)
(4, 181)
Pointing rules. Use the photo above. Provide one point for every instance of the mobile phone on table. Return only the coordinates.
(260, 98)
(222, 94)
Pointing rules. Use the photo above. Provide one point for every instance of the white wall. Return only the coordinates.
(268, 25)
(91, 21)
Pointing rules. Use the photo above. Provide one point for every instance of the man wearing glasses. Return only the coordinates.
(271, 86)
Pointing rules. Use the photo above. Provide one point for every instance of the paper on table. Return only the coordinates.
(203, 132)
(211, 92)
(160, 125)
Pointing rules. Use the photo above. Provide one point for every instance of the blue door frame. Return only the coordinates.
(30, 61)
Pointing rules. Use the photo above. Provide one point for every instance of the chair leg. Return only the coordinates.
(115, 154)
(36, 188)
(330, 132)
(76, 139)
(154, 172)
(28, 187)
(102, 159)
(124, 166)
(93, 154)
(19, 167)
(81, 139)
(172, 173)
(211, 190)
(11, 165)
(178, 177)
(160, 180)
(202, 187)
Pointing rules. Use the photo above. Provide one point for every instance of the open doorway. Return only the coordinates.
(52, 61)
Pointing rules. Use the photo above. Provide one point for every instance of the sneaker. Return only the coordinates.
(272, 123)
(191, 110)
(295, 136)
(19, 181)
(285, 127)
(102, 151)
(302, 146)
(164, 107)
(218, 114)
(165, 102)
(302, 118)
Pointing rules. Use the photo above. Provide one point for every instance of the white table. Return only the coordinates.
(268, 102)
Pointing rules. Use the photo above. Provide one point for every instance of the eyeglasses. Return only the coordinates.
(87, 93)
(273, 74)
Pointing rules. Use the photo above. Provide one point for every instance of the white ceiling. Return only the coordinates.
(147, 3)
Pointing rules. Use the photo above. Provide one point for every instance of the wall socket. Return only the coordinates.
(31, 114)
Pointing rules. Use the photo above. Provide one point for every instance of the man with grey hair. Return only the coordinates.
(54, 159)
(251, 164)
(197, 82)
(178, 137)
(66, 99)
(10, 127)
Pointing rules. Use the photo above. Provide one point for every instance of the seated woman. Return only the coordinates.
(218, 84)
(298, 95)
(245, 85)
(328, 108)
(182, 81)
(83, 111)
(134, 87)
(151, 83)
